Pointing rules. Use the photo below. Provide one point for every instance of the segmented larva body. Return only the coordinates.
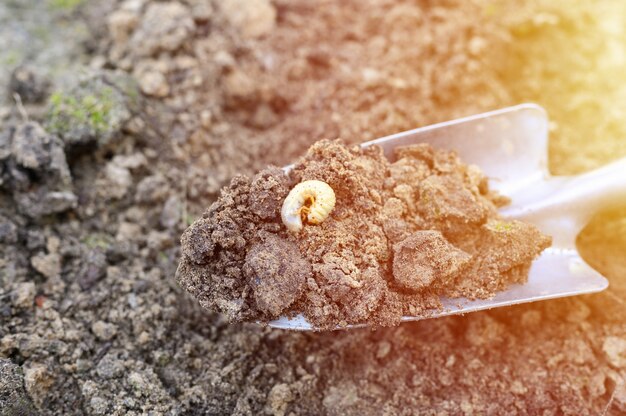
(308, 202)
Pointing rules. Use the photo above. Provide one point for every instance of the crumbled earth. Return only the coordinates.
(93, 110)
(91, 318)
(13, 397)
(34, 170)
(401, 236)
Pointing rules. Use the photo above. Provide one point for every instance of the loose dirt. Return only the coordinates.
(401, 235)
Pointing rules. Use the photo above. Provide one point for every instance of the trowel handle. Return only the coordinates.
(562, 206)
(590, 192)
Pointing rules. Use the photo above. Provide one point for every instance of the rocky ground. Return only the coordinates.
(121, 120)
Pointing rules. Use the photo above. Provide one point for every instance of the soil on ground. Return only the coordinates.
(120, 121)
(401, 235)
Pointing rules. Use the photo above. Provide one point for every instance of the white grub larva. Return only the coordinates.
(308, 202)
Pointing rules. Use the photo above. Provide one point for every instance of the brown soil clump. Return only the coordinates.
(401, 236)
(426, 258)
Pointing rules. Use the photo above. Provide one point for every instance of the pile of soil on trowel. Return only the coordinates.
(400, 237)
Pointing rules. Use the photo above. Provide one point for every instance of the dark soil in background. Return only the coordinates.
(401, 235)
(160, 104)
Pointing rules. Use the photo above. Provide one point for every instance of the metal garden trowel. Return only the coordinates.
(510, 146)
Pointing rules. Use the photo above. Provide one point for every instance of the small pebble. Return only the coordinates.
(103, 331)
(24, 295)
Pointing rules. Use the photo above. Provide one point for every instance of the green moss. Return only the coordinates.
(11, 58)
(501, 226)
(91, 110)
(65, 4)
(97, 241)
(189, 219)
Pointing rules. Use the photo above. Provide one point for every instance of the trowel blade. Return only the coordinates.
(510, 147)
